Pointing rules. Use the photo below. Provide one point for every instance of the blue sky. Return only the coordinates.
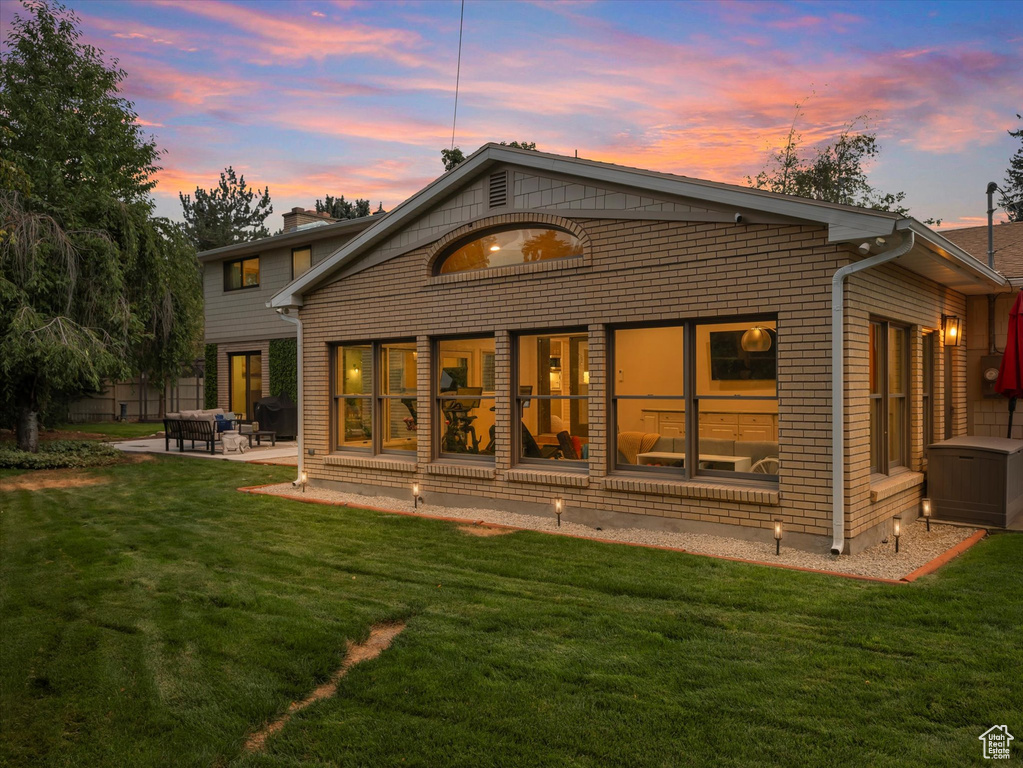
(356, 98)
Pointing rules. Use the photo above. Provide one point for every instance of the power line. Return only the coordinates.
(458, 74)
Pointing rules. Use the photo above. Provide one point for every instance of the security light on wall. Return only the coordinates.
(756, 339)
(951, 329)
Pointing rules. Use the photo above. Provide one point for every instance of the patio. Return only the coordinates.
(285, 452)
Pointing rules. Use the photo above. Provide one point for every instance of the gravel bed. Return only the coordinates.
(916, 546)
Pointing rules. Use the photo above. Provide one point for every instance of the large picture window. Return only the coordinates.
(241, 273)
(464, 381)
(375, 397)
(552, 399)
(506, 247)
(889, 396)
(718, 380)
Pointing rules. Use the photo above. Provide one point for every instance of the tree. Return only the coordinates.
(339, 208)
(78, 245)
(229, 213)
(1012, 193)
(453, 157)
(834, 173)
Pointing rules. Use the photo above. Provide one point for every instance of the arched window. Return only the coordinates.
(508, 247)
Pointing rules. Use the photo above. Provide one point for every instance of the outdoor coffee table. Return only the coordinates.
(260, 434)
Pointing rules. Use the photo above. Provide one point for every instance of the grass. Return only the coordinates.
(158, 619)
(114, 430)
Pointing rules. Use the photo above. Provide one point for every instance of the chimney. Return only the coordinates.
(296, 217)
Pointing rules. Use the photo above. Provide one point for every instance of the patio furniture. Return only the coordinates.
(233, 441)
(259, 434)
(198, 431)
(171, 431)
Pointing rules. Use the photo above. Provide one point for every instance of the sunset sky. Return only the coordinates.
(356, 98)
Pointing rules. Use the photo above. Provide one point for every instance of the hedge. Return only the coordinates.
(60, 454)
(210, 392)
(284, 368)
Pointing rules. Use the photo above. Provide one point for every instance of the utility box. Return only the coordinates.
(977, 480)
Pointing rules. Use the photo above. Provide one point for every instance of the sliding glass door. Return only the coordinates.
(246, 385)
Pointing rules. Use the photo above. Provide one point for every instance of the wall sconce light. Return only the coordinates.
(925, 509)
(777, 536)
(951, 329)
(415, 496)
(304, 480)
(586, 377)
(756, 339)
(558, 510)
(897, 530)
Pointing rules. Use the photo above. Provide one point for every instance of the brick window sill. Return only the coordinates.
(393, 464)
(695, 490)
(882, 487)
(459, 469)
(544, 477)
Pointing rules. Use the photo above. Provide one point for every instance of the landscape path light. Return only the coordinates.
(925, 509)
(777, 536)
(415, 496)
(897, 530)
(558, 510)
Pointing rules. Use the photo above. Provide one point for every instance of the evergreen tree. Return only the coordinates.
(228, 213)
(1012, 192)
(339, 208)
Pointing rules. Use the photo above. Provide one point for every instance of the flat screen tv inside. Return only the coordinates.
(730, 362)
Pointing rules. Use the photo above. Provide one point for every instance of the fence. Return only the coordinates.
(141, 401)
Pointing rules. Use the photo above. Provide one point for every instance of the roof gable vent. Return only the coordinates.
(498, 189)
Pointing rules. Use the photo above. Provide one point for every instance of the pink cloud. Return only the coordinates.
(288, 39)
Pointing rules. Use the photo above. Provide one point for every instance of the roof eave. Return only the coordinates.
(960, 259)
(284, 238)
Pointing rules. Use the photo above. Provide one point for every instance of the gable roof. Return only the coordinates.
(943, 261)
(1008, 245)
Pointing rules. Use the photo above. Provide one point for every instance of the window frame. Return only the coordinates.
(882, 465)
(451, 248)
(436, 410)
(227, 272)
(375, 396)
(690, 398)
(568, 465)
(293, 252)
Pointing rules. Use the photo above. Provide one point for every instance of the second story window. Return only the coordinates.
(301, 260)
(241, 273)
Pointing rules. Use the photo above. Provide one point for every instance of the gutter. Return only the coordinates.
(838, 380)
(285, 313)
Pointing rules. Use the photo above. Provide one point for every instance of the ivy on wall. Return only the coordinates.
(284, 368)
(210, 392)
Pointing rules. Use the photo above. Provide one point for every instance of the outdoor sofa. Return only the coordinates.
(196, 427)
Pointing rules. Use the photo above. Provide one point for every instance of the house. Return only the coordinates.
(987, 412)
(651, 349)
(247, 345)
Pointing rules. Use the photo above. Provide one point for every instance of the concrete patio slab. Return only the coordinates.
(285, 452)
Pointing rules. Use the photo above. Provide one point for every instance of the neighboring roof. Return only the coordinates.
(1008, 245)
(936, 258)
(294, 237)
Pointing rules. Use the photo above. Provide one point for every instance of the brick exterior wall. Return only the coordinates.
(642, 271)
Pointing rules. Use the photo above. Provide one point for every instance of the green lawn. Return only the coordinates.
(158, 619)
(115, 430)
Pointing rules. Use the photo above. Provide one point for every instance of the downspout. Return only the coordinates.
(991, 189)
(285, 315)
(838, 381)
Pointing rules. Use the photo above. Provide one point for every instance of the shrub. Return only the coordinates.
(60, 454)
(284, 368)
(210, 393)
